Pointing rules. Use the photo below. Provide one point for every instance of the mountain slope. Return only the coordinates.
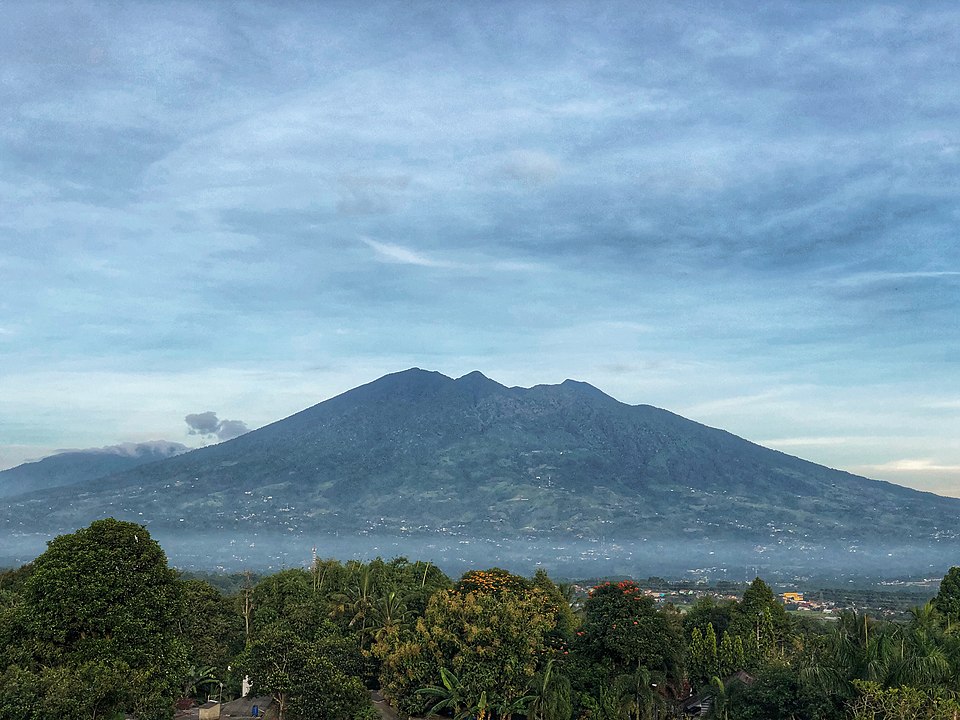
(419, 454)
(77, 466)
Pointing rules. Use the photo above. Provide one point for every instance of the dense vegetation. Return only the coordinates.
(99, 626)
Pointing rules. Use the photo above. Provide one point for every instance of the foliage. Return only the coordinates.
(707, 611)
(623, 630)
(551, 696)
(303, 678)
(874, 702)
(494, 581)
(93, 690)
(100, 610)
(492, 639)
(947, 601)
(704, 656)
(762, 623)
(212, 633)
(778, 693)
(99, 627)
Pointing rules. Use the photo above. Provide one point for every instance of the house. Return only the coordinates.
(792, 597)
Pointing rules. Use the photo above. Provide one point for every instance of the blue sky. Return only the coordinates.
(747, 215)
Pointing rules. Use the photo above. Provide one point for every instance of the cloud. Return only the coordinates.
(531, 166)
(232, 428)
(208, 424)
(400, 255)
(158, 448)
(370, 195)
(914, 465)
(805, 441)
(388, 252)
(205, 423)
(889, 277)
(749, 186)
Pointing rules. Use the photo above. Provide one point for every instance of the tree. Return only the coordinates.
(730, 656)
(356, 603)
(623, 630)
(489, 633)
(697, 661)
(102, 601)
(778, 693)
(710, 651)
(707, 611)
(212, 632)
(761, 621)
(947, 601)
(874, 702)
(566, 621)
(450, 695)
(286, 598)
(551, 697)
(304, 681)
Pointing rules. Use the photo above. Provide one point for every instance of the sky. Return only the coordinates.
(213, 215)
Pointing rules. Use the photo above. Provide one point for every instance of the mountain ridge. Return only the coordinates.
(70, 467)
(419, 454)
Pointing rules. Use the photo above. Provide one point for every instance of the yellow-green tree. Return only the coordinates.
(489, 632)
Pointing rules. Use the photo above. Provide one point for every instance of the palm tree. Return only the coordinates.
(356, 603)
(638, 697)
(922, 660)
(389, 611)
(551, 695)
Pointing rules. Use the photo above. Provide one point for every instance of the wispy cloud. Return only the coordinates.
(795, 442)
(913, 466)
(391, 253)
(896, 276)
(531, 166)
(399, 254)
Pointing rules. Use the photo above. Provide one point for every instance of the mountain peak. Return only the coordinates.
(417, 454)
(584, 389)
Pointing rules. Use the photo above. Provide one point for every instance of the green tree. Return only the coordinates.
(105, 595)
(697, 657)
(947, 600)
(778, 693)
(710, 651)
(874, 702)
(287, 598)
(212, 632)
(622, 630)
(707, 611)
(565, 620)
(303, 680)
(356, 603)
(551, 695)
(450, 695)
(761, 621)
(730, 655)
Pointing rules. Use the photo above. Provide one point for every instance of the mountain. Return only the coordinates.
(76, 466)
(475, 466)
